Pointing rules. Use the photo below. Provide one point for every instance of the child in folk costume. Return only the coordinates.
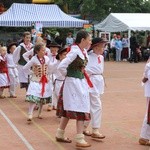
(95, 69)
(145, 130)
(4, 77)
(19, 60)
(74, 102)
(12, 70)
(54, 47)
(29, 54)
(58, 76)
(39, 90)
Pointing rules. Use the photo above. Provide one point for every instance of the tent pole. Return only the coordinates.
(129, 50)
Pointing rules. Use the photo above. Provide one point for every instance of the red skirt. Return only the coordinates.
(69, 114)
(124, 53)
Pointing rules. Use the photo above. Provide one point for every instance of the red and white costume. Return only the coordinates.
(53, 61)
(58, 81)
(145, 130)
(39, 81)
(13, 74)
(4, 78)
(29, 54)
(95, 68)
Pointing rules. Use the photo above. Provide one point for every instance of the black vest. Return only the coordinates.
(22, 60)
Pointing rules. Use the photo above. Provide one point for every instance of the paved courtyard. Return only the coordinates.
(123, 113)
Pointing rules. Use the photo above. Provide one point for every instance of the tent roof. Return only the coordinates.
(23, 15)
(116, 22)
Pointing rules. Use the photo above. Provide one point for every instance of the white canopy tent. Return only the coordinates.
(24, 15)
(117, 22)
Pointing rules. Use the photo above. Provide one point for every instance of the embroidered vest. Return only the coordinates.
(3, 67)
(39, 71)
(75, 69)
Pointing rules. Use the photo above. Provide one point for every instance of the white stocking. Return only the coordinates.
(31, 108)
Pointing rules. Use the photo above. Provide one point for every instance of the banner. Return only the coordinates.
(43, 1)
(88, 27)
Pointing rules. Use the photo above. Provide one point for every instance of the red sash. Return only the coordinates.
(43, 81)
(88, 79)
(84, 72)
(43, 78)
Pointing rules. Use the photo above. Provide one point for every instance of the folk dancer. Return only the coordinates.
(74, 102)
(95, 69)
(19, 60)
(59, 79)
(29, 54)
(4, 77)
(12, 70)
(54, 47)
(145, 130)
(39, 90)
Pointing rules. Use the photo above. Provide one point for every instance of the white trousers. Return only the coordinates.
(145, 130)
(14, 81)
(95, 110)
(56, 91)
(54, 99)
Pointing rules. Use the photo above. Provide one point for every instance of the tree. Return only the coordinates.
(99, 9)
(8, 3)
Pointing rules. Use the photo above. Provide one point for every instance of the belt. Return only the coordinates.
(103, 78)
(54, 83)
(95, 74)
(57, 80)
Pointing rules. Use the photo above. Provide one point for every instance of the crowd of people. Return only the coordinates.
(69, 79)
(60, 76)
(122, 48)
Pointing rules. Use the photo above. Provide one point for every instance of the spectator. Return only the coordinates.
(148, 40)
(112, 46)
(118, 47)
(133, 46)
(125, 44)
(58, 39)
(69, 39)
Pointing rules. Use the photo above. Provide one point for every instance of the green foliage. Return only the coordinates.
(94, 10)
(8, 3)
(99, 9)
